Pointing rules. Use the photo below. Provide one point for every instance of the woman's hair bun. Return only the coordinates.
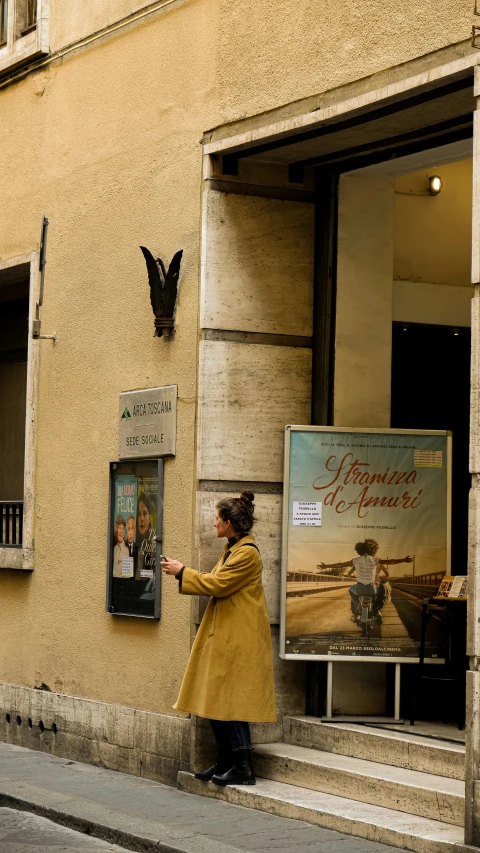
(239, 511)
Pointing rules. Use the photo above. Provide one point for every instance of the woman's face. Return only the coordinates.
(222, 528)
(143, 519)
(120, 529)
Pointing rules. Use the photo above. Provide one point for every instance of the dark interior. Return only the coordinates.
(431, 390)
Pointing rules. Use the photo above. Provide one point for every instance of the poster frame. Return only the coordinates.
(285, 517)
(156, 616)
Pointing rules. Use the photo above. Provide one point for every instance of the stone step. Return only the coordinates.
(398, 748)
(423, 794)
(375, 823)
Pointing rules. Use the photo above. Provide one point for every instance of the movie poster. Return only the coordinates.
(146, 527)
(133, 546)
(125, 512)
(366, 538)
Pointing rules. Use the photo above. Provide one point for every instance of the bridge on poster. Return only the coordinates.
(320, 603)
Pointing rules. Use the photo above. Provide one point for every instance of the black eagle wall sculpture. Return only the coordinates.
(163, 290)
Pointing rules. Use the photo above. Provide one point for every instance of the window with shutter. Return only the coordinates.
(30, 16)
(3, 21)
(23, 31)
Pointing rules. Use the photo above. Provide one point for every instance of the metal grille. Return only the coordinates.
(11, 523)
(3, 21)
(31, 16)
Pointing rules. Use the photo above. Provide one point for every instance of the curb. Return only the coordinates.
(91, 828)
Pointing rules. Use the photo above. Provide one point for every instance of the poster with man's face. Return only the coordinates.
(366, 538)
(124, 511)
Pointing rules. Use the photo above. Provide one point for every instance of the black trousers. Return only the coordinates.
(233, 734)
(376, 592)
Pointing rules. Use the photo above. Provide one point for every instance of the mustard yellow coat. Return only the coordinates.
(229, 675)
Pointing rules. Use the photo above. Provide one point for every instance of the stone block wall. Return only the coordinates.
(268, 510)
(155, 746)
(254, 379)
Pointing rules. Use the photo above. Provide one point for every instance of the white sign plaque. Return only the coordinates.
(147, 423)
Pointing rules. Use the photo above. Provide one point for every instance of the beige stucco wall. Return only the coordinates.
(106, 143)
(261, 57)
(433, 234)
(432, 247)
(402, 255)
(108, 172)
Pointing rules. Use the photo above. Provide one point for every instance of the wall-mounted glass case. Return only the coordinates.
(135, 532)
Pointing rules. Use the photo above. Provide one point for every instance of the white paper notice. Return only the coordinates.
(307, 513)
(146, 573)
(459, 587)
(427, 458)
(127, 567)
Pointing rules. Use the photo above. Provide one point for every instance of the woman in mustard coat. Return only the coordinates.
(229, 676)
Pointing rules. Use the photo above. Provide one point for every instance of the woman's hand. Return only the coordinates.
(172, 567)
(408, 559)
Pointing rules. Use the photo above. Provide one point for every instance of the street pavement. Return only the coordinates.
(138, 814)
(21, 832)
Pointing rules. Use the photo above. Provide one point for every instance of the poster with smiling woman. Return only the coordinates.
(146, 527)
(366, 536)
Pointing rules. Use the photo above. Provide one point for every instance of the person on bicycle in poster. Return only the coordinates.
(371, 574)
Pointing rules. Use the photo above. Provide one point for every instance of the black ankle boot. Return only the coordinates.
(241, 773)
(223, 763)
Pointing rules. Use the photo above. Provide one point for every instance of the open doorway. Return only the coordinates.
(402, 347)
(402, 340)
(347, 170)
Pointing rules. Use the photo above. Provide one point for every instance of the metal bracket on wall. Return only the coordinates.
(37, 323)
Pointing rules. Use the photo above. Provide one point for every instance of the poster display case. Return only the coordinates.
(135, 538)
(366, 536)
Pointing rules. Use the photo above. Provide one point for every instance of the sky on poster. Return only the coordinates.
(336, 468)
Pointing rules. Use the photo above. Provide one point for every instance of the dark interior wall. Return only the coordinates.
(13, 395)
(431, 390)
(13, 383)
(13, 328)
